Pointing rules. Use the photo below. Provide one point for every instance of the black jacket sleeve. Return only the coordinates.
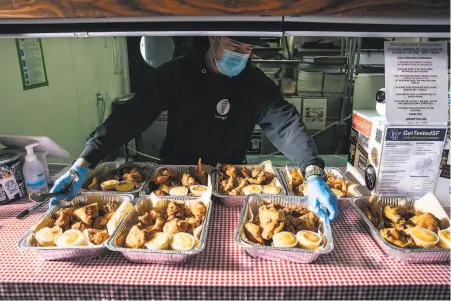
(281, 123)
(131, 119)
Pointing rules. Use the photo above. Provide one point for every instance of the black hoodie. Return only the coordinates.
(210, 116)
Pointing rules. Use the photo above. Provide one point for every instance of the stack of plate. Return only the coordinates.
(310, 81)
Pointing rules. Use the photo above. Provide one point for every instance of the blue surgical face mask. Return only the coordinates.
(232, 63)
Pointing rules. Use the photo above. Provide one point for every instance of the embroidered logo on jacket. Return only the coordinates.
(223, 107)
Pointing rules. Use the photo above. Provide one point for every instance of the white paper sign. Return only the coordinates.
(314, 113)
(411, 160)
(416, 82)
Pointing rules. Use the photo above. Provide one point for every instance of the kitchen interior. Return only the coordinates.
(324, 77)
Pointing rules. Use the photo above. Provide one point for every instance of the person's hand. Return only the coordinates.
(65, 180)
(322, 197)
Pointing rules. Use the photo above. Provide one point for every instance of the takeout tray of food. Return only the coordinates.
(258, 233)
(337, 181)
(118, 178)
(231, 190)
(148, 235)
(86, 240)
(181, 180)
(391, 222)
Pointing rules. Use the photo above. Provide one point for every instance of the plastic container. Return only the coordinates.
(34, 172)
(12, 184)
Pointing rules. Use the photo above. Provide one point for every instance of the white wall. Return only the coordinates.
(66, 110)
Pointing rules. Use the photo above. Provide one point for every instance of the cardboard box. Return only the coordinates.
(405, 160)
(442, 190)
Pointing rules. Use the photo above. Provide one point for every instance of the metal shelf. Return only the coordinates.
(308, 50)
(315, 94)
(371, 69)
(298, 64)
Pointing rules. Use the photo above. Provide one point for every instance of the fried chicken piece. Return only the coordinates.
(157, 227)
(134, 176)
(246, 173)
(199, 173)
(188, 180)
(146, 219)
(309, 222)
(174, 226)
(165, 188)
(299, 211)
(259, 179)
(63, 221)
(94, 185)
(97, 237)
(159, 192)
(269, 178)
(253, 233)
(395, 237)
(299, 191)
(234, 192)
(136, 238)
(401, 225)
(101, 221)
(271, 220)
(426, 221)
(109, 207)
(176, 210)
(87, 213)
(193, 223)
(160, 179)
(296, 177)
(156, 214)
(256, 172)
(79, 226)
(393, 213)
(344, 187)
(371, 216)
(64, 218)
(227, 185)
(198, 209)
(291, 223)
(239, 189)
(167, 172)
(230, 170)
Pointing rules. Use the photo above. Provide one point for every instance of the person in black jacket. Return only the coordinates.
(214, 98)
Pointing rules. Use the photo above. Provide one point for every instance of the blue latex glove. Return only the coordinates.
(322, 198)
(65, 181)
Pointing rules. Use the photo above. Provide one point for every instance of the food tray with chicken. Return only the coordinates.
(163, 230)
(282, 228)
(404, 229)
(190, 181)
(336, 180)
(234, 182)
(77, 229)
(118, 178)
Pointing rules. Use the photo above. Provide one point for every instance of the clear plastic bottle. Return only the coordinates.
(34, 172)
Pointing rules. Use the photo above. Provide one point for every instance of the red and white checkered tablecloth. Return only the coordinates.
(356, 269)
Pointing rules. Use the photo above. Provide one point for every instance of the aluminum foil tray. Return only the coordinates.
(296, 255)
(414, 255)
(71, 253)
(152, 256)
(149, 186)
(239, 200)
(146, 168)
(336, 171)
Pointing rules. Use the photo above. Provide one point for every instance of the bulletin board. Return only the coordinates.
(32, 64)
